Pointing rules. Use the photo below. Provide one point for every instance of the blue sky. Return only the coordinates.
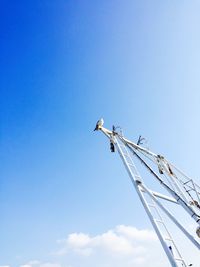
(64, 65)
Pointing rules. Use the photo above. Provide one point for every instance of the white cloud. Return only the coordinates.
(78, 240)
(48, 264)
(122, 246)
(34, 262)
(39, 264)
(122, 240)
(135, 234)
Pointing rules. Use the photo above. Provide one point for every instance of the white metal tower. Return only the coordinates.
(182, 191)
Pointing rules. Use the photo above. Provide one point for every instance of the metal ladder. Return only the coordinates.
(151, 207)
(158, 220)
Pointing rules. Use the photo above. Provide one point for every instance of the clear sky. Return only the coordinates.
(64, 65)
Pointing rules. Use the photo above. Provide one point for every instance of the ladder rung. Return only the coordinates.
(188, 181)
(178, 259)
(159, 221)
(169, 239)
(128, 159)
(130, 163)
(151, 205)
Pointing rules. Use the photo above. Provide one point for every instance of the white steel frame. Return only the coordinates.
(179, 189)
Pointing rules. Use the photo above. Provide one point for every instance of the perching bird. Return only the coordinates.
(99, 124)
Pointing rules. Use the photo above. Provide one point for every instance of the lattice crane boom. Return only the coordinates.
(182, 189)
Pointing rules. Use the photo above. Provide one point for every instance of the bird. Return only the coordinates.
(99, 124)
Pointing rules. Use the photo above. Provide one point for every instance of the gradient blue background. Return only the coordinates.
(65, 64)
